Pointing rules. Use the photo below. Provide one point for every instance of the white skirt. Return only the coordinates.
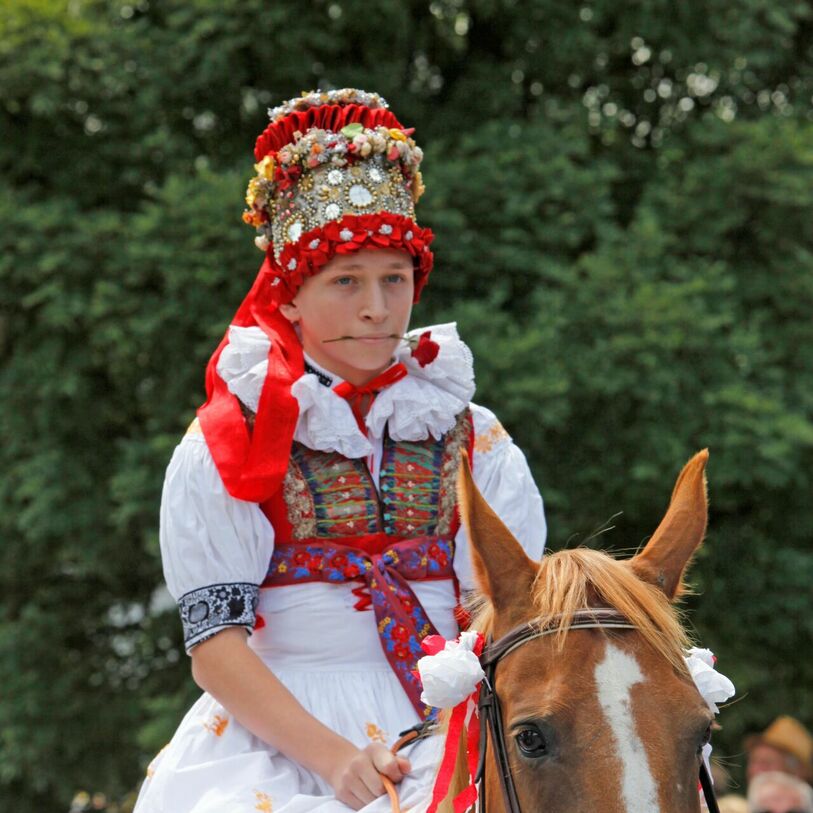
(330, 658)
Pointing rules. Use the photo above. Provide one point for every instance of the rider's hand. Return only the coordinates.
(356, 777)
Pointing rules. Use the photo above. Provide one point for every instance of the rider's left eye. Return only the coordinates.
(531, 742)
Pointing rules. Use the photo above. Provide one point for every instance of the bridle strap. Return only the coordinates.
(489, 704)
(593, 618)
(708, 789)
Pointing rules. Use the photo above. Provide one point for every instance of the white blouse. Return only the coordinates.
(216, 549)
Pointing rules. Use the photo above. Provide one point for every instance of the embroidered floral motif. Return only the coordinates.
(418, 480)
(263, 802)
(456, 440)
(329, 495)
(375, 734)
(491, 438)
(410, 469)
(215, 606)
(299, 502)
(217, 725)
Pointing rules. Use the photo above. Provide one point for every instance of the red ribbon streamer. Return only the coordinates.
(468, 796)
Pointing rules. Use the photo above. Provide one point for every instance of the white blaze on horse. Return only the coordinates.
(595, 717)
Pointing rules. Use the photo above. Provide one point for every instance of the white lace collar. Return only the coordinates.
(425, 402)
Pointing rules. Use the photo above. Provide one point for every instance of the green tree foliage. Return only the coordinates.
(621, 195)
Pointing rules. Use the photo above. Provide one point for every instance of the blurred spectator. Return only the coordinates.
(785, 745)
(777, 792)
(731, 803)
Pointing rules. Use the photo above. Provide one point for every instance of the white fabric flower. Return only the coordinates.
(243, 364)
(452, 674)
(714, 687)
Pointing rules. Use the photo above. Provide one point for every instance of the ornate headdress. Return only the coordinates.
(336, 172)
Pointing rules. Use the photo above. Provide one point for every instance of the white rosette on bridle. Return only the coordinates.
(713, 686)
(451, 674)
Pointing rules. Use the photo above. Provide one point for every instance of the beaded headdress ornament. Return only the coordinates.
(336, 172)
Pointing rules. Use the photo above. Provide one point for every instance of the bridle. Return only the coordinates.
(491, 723)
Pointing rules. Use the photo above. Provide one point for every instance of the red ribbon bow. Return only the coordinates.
(361, 398)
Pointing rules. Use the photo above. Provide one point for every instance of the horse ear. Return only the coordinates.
(664, 559)
(502, 569)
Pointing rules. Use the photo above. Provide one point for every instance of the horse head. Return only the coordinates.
(594, 719)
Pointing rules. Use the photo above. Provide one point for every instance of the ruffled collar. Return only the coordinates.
(426, 402)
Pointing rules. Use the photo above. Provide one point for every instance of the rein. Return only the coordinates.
(491, 713)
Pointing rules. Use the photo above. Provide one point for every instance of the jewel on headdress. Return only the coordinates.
(386, 228)
(291, 265)
(359, 195)
(346, 235)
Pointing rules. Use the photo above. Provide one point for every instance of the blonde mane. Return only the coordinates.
(570, 580)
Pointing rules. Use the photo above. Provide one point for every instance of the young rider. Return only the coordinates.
(309, 529)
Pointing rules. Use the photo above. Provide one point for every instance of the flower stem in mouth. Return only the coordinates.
(345, 338)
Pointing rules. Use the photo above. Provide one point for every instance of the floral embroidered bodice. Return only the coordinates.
(328, 496)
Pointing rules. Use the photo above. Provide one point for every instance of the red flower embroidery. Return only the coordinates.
(339, 560)
(401, 652)
(351, 571)
(400, 633)
(426, 351)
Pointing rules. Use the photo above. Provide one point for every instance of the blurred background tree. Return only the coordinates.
(622, 196)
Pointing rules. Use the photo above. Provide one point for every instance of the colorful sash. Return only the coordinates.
(402, 622)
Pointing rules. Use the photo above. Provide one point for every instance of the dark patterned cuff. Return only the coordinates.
(218, 605)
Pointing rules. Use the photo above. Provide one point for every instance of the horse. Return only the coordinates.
(594, 717)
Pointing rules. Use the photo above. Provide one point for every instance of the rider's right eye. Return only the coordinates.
(532, 742)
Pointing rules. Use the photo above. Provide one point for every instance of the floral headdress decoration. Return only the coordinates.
(336, 172)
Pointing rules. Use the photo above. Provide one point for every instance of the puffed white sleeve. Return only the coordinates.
(503, 477)
(215, 549)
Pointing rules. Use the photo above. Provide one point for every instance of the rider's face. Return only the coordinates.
(352, 314)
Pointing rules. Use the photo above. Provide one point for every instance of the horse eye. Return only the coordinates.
(532, 742)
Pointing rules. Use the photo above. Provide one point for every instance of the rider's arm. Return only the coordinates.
(215, 550)
(227, 668)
